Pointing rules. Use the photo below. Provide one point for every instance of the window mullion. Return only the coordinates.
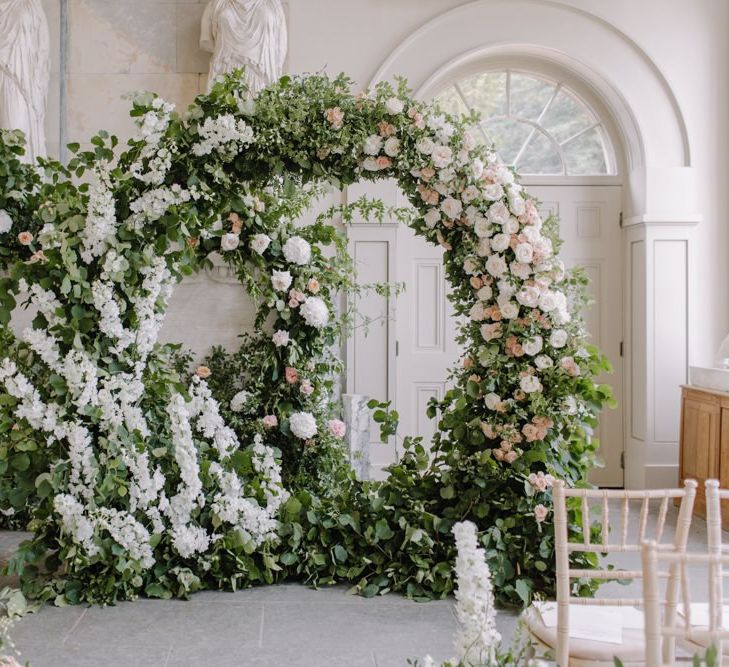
(470, 109)
(580, 133)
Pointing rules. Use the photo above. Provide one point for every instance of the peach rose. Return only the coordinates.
(383, 162)
(25, 238)
(313, 285)
(291, 375)
(203, 372)
(335, 117)
(386, 129)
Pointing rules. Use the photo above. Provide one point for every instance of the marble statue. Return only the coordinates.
(24, 71)
(245, 33)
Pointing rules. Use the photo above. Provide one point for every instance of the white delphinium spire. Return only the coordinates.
(477, 639)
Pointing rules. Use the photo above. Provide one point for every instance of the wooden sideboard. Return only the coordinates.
(704, 444)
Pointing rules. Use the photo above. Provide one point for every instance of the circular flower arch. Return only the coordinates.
(142, 480)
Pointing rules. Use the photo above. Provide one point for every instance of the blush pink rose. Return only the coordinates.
(337, 428)
(270, 421)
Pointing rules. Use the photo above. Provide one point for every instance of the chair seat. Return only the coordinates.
(631, 650)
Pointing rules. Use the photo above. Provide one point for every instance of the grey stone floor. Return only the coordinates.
(288, 625)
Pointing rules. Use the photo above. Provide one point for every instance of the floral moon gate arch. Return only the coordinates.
(138, 485)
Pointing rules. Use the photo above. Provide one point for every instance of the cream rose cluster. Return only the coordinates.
(6, 222)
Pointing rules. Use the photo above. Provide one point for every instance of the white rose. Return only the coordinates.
(392, 146)
(425, 145)
(315, 312)
(470, 266)
(570, 405)
(506, 288)
(511, 226)
(496, 265)
(504, 175)
(528, 296)
(297, 250)
(500, 242)
(229, 242)
(303, 425)
(530, 384)
(447, 175)
(509, 310)
(260, 243)
(452, 207)
(238, 401)
(520, 270)
(493, 191)
(485, 293)
(532, 234)
(476, 313)
(469, 194)
(533, 346)
(561, 316)
(524, 253)
(492, 401)
(394, 106)
(558, 338)
(498, 213)
(370, 164)
(473, 214)
(469, 141)
(516, 204)
(484, 247)
(6, 222)
(373, 144)
(432, 218)
(482, 228)
(442, 156)
(281, 338)
(543, 361)
(281, 280)
(547, 301)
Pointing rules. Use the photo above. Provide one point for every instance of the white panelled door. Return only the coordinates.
(425, 327)
(426, 331)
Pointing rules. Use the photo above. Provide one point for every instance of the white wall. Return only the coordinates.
(114, 46)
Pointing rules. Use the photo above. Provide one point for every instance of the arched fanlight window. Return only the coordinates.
(536, 124)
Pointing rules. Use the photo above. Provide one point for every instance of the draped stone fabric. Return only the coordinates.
(245, 33)
(24, 71)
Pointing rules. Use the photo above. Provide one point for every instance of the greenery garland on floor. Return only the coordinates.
(135, 481)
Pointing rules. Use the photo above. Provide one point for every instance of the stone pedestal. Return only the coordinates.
(357, 418)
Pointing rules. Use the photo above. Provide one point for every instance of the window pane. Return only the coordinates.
(565, 117)
(508, 136)
(529, 95)
(450, 101)
(586, 154)
(540, 157)
(486, 93)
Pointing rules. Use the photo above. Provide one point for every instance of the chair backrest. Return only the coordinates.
(668, 627)
(714, 498)
(625, 543)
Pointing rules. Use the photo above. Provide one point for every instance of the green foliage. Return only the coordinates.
(389, 536)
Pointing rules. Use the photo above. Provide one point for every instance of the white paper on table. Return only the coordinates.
(591, 622)
(700, 614)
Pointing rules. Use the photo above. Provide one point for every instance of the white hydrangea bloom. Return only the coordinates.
(6, 222)
(315, 312)
(303, 425)
(297, 251)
